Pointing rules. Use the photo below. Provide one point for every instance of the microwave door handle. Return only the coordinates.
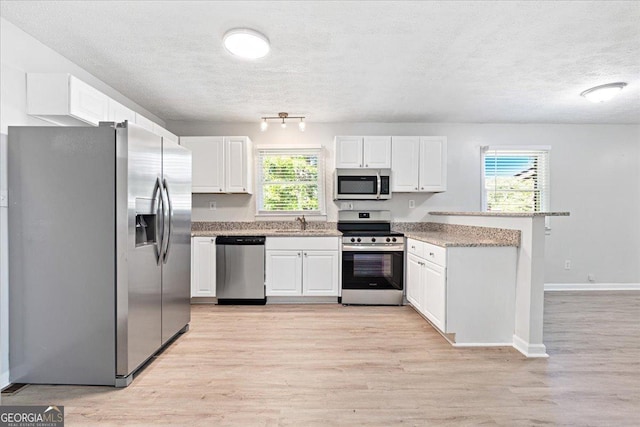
(379, 184)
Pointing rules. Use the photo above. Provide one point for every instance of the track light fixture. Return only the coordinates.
(264, 124)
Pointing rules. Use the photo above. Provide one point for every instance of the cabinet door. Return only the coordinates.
(236, 164)
(414, 281)
(433, 163)
(283, 270)
(320, 273)
(435, 300)
(405, 160)
(349, 152)
(143, 122)
(207, 153)
(87, 103)
(377, 152)
(119, 113)
(203, 267)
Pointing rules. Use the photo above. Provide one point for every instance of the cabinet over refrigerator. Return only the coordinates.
(99, 251)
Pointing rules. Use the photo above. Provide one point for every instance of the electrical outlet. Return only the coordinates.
(412, 204)
(567, 264)
(591, 277)
(212, 206)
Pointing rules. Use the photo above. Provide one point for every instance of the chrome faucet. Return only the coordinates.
(303, 222)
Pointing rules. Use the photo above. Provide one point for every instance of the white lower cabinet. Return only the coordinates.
(434, 294)
(302, 266)
(283, 273)
(468, 293)
(415, 281)
(203, 267)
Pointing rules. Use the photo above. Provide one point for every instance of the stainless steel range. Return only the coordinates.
(372, 258)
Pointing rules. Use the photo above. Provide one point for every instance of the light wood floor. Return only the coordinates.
(319, 365)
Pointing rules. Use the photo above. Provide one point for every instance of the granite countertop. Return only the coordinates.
(504, 214)
(268, 233)
(447, 239)
(445, 235)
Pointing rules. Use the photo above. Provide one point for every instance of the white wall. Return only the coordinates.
(19, 54)
(595, 175)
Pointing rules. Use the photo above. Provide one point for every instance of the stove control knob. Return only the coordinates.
(388, 239)
(359, 239)
(373, 239)
(353, 240)
(394, 239)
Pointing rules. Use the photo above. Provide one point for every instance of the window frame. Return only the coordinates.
(545, 196)
(292, 151)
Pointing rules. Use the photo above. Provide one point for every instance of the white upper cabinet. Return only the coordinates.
(65, 100)
(355, 152)
(207, 154)
(117, 112)
(377, 152)
(160, 131)
(349, 152)
(419, 163)
(220, 164)
(238, 167)
(405, 164)
(143, 122)
(433, 163)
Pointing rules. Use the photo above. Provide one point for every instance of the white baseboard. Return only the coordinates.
(529, 350)
(591, 287)
(482, 344)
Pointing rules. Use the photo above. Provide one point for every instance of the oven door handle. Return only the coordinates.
(356, 248)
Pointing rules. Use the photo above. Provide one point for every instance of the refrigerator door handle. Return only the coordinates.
(159, 198)
(168, 221)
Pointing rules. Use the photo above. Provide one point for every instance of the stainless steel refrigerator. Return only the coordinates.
(99, 251)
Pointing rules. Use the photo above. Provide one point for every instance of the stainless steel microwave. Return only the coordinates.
(362, 184)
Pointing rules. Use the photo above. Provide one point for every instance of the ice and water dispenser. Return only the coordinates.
(146, 221)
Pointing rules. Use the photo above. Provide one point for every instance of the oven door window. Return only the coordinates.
(372, 270)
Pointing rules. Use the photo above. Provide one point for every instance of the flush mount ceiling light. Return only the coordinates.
(246, 43)
(603, 93)
(264, 125)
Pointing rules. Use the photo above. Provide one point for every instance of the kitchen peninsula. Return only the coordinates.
(529, 297)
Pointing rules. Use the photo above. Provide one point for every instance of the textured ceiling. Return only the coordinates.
(357, 61)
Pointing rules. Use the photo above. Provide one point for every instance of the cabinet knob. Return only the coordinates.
(305, 254)
(220, 189)
(366, 166)
(430, 253)
(416, 188)
(244, 189)
(298, 254)
(422, 188)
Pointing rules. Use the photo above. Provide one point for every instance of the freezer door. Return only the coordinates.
(61, 255)
(176, 254)
(139, 230)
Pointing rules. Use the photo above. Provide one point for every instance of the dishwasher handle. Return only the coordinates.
(240, 240)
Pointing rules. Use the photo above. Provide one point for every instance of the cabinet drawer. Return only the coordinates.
(435, 254)
(303, 243)
(415, 247)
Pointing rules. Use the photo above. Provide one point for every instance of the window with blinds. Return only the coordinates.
(290, 181)
(516, 179)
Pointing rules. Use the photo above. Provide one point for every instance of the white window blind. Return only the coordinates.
(516, 179)
(290, 181)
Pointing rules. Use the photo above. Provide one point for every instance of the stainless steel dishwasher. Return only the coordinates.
(240, 270)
